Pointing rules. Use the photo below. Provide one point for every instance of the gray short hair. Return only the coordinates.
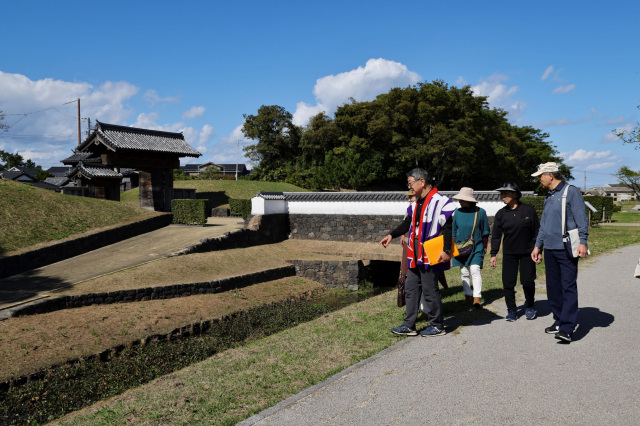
(556, 175)
(419, 173)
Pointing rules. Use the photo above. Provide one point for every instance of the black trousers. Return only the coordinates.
(421, 281)
(510, 265)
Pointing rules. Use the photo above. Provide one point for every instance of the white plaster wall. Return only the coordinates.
(260, 206)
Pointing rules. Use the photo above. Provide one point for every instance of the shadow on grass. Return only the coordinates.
(25, 286)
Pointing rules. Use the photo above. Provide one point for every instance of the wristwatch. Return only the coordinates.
(447, 251)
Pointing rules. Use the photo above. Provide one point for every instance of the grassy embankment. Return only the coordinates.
(31, 217)
(240, 382)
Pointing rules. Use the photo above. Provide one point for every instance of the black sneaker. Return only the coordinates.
(553, 329)
(403, 330)
(564, 337)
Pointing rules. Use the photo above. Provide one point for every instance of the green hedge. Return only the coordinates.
(240, 207)
(191, 212)
(215, 198)
(598, 202)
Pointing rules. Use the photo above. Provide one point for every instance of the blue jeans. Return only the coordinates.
(562, 288)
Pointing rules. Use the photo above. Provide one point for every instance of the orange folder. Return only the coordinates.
(433, 248)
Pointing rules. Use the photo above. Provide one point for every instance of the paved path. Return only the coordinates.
(134, 251)
(496, 372)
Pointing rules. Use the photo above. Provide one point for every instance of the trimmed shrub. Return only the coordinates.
(215, 198)
(598, 202)
(190, 212)
(240, 207)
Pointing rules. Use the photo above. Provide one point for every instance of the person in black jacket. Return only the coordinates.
(518, 223)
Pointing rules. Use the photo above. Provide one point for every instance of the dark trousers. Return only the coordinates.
(421, 281)
(562, 288)
(510, 265)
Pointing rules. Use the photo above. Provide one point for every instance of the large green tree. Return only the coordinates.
(277, 145)
(449, 131)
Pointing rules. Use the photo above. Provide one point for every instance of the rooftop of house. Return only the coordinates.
(94, 171)
(126, 138)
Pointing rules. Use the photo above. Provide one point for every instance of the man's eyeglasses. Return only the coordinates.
(410, 184)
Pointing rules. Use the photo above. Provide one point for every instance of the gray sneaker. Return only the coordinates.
(511, 316)
(530, 313)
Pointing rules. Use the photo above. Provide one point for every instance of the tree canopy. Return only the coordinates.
(448, 131)
(630, 178)
(631, 136)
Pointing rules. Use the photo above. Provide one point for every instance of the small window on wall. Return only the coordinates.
(100, 193)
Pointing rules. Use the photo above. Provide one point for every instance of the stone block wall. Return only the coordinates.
(331, 273)
(150, 293)
(258, 230)
(12, 265)
(329, 227)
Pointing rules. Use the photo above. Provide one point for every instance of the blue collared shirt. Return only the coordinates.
(550, 234)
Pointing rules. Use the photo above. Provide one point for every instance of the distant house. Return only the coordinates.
(225, 169)
(47, 185)
(59, 171)
(25, 170)
(17, 175)
(230, 169)
(618, 191)
(57, 182)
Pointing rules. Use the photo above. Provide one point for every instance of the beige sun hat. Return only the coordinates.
(549, 167)
(465, 194)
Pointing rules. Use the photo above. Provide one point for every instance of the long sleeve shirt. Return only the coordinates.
(550, 233)
(519, 227)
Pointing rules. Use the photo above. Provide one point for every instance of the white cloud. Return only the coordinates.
(460, 82)
(363, 84)
(43, 115)
(229, 149)
(547, 73)
(611, 137)
(195, 111)
(583, 155)
(499, 94)
(564, 89)
(599, 166)
(153, 98)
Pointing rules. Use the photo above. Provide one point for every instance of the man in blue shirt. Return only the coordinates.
(561, 266)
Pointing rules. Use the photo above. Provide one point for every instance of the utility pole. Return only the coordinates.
(79, 122)
(585, 180)
(237, 156)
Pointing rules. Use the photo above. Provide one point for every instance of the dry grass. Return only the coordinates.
(201, 267)
(31, 343)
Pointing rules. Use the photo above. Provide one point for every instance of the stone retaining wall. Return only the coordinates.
(332, 273)
(150, 293)
(12, 265)
(359, 228)
(258, 230)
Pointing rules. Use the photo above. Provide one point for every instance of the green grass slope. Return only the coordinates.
(31, 216)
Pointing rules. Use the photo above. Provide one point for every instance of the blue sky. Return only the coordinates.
(569, 68)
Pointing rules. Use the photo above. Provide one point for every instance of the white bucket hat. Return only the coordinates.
(549, 167)
(465, 194)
